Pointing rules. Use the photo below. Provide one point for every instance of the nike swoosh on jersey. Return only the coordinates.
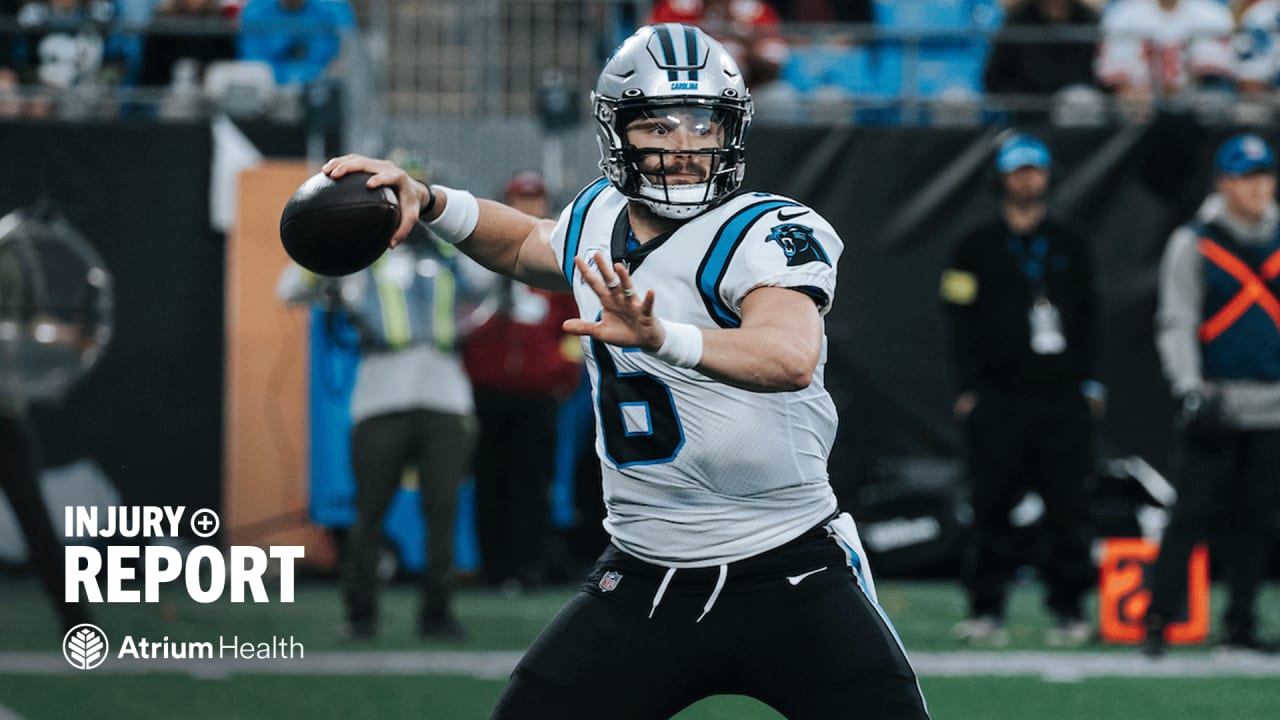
(797, 579)
(784, 216)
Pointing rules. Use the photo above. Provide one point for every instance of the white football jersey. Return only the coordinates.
(1258, 44)
(696, 472)
(1147, 46)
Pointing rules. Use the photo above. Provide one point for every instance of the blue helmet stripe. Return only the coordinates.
(573, 236)
(716, 263)
(691, 52)
(668, 50)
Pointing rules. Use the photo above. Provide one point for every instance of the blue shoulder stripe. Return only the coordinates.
(716, 263)
(573, 236)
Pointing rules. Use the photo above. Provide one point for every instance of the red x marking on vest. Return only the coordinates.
(1253, 289)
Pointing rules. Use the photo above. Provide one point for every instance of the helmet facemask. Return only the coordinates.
(671, 116)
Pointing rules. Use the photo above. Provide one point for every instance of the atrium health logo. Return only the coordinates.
(85, 646)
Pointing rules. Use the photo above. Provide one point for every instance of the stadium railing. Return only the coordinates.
(513, 58)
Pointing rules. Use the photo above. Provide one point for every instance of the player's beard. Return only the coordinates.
(680, 186)
(680, 170)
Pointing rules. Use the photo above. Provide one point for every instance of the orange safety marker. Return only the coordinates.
(1124, 593)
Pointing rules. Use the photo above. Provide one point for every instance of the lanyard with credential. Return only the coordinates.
(1031, 261)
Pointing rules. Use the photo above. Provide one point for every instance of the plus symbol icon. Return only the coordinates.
(205, 523)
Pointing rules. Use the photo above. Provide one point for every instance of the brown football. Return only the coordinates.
(338, 227)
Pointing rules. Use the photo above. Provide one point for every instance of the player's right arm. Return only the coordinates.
(505, 240)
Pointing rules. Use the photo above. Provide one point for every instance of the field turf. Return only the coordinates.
(397, 676)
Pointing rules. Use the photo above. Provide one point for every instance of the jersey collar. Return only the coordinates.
(633, 257)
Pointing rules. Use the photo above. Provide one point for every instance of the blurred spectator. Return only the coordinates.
(1042, 67)
(300, 39)
(1021, 311)
(20, 483)
(62, 46)
(1218, 333)
(845, 11)
(20, 465)
(10, 96)
(1258, 48)
(1160, 48)
(411, 407)
(9, 102)
(521, 364)
(749, 30)
(194, 29)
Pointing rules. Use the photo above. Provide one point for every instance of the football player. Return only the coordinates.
(701, 308)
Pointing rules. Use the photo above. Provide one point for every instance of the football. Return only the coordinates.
(338, 227)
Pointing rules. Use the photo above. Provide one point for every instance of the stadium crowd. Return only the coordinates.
(1073, 61)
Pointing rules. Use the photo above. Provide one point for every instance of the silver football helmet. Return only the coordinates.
(666, 78)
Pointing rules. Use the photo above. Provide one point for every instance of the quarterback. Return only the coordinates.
(701, 306)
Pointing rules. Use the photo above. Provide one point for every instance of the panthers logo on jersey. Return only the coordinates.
(798, 243)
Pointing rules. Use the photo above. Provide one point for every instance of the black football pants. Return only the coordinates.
(792, 627)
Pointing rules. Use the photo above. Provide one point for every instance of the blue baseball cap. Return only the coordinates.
(1022, 151)
(1244, 154)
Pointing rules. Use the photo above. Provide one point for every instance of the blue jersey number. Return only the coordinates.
(638, 416)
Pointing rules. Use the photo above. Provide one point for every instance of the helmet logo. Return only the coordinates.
(684, 86)
(676, 48)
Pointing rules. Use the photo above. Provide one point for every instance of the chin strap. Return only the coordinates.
(679, 202)
(673, 212)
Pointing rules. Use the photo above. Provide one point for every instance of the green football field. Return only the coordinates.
(398, 676)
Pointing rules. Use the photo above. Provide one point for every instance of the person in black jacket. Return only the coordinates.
(1018, 66)
(194, 29)
(1020, 307)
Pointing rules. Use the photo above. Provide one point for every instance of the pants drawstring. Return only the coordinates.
(662, 590)
(711, 601)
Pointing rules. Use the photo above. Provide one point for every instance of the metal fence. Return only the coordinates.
(490, 57)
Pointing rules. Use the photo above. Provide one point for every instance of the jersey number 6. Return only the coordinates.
(638, 417)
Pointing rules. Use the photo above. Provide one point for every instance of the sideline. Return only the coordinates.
(7, 714)
(1053, 666)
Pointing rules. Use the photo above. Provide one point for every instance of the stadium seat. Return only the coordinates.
(241, 87)
(807, 67)
(950, 69)
(938, 14)
(948, 63)
(816, 66)
(943, 55)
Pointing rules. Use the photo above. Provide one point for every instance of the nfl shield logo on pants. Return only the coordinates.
(610, 580)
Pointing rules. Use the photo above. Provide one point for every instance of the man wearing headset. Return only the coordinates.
(1021, 316)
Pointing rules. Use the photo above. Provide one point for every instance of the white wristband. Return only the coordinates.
(682, 346)
(459, 218)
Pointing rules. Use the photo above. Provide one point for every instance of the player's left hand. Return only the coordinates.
(626, 319)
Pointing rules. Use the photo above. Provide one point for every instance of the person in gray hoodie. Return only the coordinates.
(1218, 334)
